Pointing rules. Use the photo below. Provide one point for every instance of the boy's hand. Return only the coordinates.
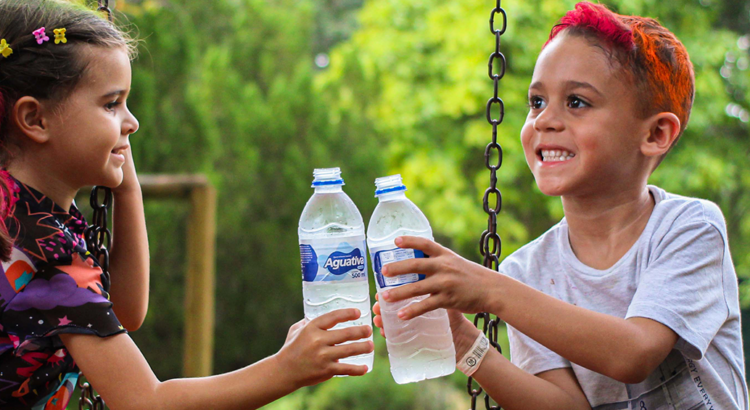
(464, 332)
(311, 355)
(129, 177)
(451, 281)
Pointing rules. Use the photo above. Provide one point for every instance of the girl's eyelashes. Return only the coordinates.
(111, 106)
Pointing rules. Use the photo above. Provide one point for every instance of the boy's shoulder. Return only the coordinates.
(672, 213)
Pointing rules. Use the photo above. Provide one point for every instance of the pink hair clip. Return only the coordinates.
(41, 36)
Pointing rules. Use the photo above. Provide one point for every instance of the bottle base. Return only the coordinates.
(423, 371)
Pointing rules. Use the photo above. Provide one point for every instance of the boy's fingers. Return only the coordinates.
(420, 308)
(376, 308)
(423, 287)
(352, 349)
(418, 265)
(378, 321)
(349, 369)
(337, 336)
(425, 245)
(331, 319)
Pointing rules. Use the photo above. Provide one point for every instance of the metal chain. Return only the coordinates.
(490, 243)
(98, 241)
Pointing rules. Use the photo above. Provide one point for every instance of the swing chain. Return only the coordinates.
(490, 243)
(98, 241)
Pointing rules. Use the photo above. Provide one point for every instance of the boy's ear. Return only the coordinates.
(30, 118)
(664, 128)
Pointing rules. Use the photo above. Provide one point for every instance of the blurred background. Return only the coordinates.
(255, 94)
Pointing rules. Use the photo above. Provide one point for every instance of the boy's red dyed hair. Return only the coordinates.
(649, 55)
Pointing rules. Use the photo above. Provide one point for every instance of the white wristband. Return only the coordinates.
(473, 358)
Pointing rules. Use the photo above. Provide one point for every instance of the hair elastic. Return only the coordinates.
(5, 49)
(40, 35)
(60, 36)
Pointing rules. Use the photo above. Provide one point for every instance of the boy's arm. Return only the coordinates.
(129, 257)
(625, 350)
(513, 387)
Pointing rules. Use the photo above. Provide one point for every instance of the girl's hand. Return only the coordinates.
(451, 281)
(464, 332)
(129, 176)
(311, 353)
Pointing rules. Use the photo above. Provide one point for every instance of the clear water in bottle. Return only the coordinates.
(333, 255)
(420, 348)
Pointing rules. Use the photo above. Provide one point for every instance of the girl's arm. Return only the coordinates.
(118, 371)
(129, 258)
(627, 350)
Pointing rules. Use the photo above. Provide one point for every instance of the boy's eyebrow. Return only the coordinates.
(570, 84)
(578, 84)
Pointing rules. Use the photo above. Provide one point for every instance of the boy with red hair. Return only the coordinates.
(631, 301)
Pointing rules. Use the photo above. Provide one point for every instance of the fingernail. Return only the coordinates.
(398, 241)
(386, 295)
(384, 271)
(401, 314)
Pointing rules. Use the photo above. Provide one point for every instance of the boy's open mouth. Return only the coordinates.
(550, 155)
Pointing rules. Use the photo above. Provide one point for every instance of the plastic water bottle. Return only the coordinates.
(420, 348)
(333, 255)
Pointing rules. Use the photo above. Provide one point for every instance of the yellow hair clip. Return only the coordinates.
(5, 50)
(60, 35)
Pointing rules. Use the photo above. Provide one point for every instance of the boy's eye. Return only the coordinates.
(536, 102)
(575, 102)
(111, 106)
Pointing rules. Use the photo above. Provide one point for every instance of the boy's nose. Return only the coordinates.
(548, 120)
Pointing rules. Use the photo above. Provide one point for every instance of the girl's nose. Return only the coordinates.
(130, 125)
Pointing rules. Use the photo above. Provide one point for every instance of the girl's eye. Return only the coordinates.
(536, 102)
(111, 106)
(576, 102)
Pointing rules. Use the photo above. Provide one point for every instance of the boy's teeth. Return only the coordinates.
(556, 155)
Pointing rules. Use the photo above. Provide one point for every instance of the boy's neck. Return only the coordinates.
(602, 229)
(48, 184)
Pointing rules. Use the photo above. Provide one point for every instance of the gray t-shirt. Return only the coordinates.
(679, 273)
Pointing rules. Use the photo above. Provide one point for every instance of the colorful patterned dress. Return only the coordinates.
(51, 285)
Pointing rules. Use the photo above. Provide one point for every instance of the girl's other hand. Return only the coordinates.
(377, 320)
(451, 281)
(129, 176)
(312, 352)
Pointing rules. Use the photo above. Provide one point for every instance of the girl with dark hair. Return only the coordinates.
(64, 124)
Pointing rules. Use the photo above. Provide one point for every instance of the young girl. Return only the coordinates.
(64, 124)
(631, 301)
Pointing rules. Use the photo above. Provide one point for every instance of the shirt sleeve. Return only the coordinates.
(531, 356)
(682, 286)
(59, 299)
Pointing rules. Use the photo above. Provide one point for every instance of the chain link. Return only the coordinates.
(98, 241)
(490, 244)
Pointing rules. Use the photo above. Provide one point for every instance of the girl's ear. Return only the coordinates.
(663, 131)
(29, 116)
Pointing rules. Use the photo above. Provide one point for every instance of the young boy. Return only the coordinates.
(631, 301)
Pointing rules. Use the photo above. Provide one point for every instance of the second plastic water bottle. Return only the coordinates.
(420, 348)
(334, 258)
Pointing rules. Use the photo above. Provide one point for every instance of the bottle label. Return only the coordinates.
(385, 255)
(342, 260)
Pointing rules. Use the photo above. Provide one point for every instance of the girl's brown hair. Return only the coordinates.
(47, 71)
